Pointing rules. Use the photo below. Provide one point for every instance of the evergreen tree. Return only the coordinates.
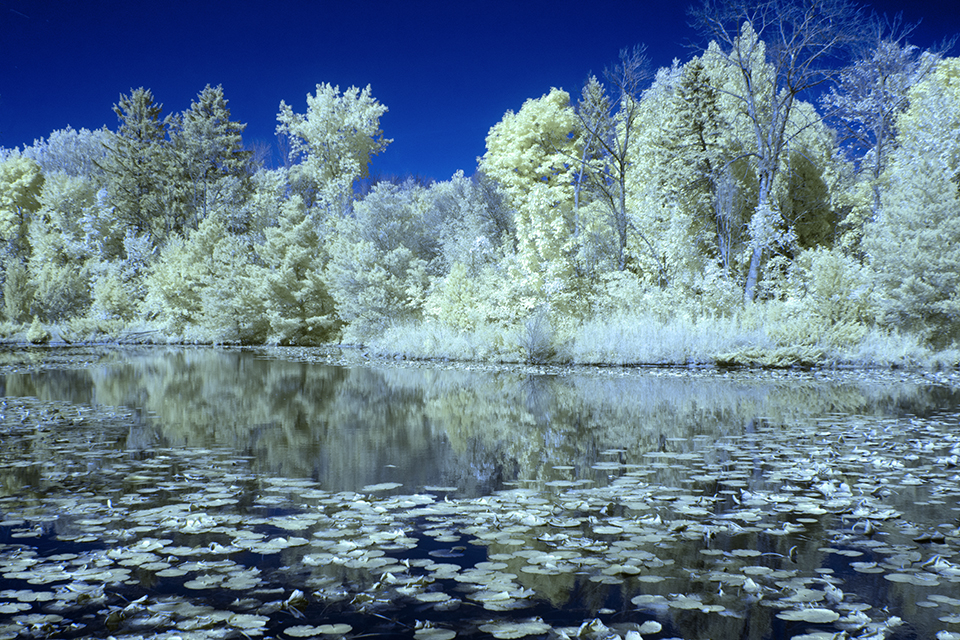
(137, 165)
(209, 162)
(914, 245)
(290, 280)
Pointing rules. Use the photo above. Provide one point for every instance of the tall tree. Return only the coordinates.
(686, 181)
(703, 146)
(137, 164)
(608, 140)
(531, 155)
(870, 94)
(208, 159)
(914, 244)
(779, 49)
(333, 142)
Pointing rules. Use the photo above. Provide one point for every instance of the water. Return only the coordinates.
(226, 493)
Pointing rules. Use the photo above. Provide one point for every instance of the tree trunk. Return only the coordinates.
(750, 289)
(767, 174)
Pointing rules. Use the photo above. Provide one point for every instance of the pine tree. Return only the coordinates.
(209, 163)
(290, 280)
(137, 165)
(914, 245)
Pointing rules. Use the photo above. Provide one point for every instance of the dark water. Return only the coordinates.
(352, 426)
(677, 486)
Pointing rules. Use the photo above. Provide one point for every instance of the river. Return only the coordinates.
(196, 492)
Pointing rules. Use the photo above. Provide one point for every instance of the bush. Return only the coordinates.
(17, 292)
(37, 333)
(537, 337)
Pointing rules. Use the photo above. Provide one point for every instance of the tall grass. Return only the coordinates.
(767, 334)
(625, 338)
(758, 336)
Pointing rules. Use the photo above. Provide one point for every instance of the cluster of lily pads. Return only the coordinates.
(843, 527)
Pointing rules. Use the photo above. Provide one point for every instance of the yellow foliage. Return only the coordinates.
(459, 300)
(530, 154)
(111, 299)
(20, 184)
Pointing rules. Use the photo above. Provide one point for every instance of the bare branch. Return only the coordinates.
(802, 43)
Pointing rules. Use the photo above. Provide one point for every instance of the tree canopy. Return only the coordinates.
(792, 177)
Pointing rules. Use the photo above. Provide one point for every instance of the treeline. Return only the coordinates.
(708, 195)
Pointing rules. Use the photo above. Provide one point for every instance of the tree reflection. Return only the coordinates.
(350, 426)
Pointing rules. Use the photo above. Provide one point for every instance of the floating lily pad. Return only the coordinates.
(506, 630)
(650, 627)
(434, 633)
(383, 486)
(301, 631)
(814, 615)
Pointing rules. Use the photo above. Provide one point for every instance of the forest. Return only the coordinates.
(788, 196)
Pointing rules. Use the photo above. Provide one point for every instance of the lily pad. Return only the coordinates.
(383, 486)
(813, 615)
(333, 629)
(506, 630)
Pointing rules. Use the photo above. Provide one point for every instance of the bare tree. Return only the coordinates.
(870, 93)
(796, 46)
(607, 126)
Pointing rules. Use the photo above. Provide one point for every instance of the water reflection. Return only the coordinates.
(721, 504)
(353, 426)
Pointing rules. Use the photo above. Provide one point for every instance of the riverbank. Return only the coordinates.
(763, 336)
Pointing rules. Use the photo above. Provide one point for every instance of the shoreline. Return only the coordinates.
(351, 355)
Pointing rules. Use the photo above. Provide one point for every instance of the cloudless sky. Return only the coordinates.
(447, 70)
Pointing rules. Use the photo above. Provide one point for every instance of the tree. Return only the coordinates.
(62, 250)
(198, 288)
(383, 257)
(608, 130)
(209, 162)
(868, 97)
(75, 153)
(334, 142)
(477, 235)
(475, 223)
(60, 281)
(529, 153)
(290, 280)
(914, 244)
(685, 179)
(137, 165)
(702, 144)
(779, 49)
(20, 184)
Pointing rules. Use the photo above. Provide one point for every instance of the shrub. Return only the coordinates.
(17, 292)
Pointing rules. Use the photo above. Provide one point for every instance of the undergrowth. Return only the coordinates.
(768, 335)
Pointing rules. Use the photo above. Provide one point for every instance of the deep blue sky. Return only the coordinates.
(446, 70)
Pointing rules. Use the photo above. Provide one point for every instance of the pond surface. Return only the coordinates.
(200, 493)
